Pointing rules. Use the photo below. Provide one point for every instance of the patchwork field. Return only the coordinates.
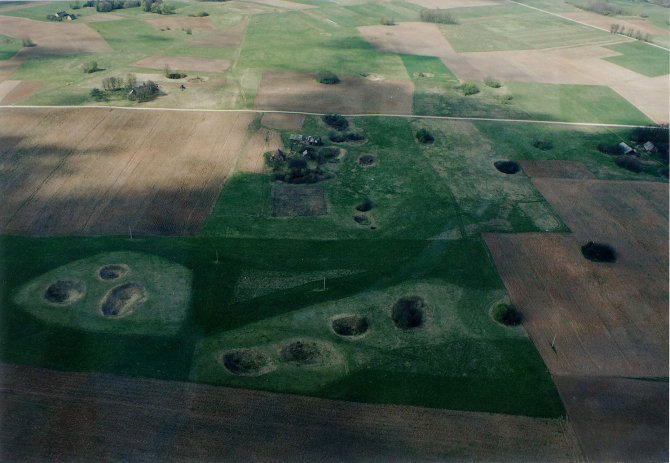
(184, 63)
(167, 169)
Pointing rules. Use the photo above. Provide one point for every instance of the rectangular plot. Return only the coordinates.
(298, 201)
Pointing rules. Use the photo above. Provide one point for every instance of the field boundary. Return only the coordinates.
(274, 111)
(585, 24)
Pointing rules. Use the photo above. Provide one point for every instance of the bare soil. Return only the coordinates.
(155, 173)
(608, 319)
(20, 91)
(262, 141)
(231, 37)
(176, 22)
(299, 91)
(298, 200)
(122, 300)
(283, 121)
(69, 416)
(556, 169)
(53, 38)
(184, 63)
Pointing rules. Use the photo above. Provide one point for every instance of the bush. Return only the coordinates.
(336, 121)
(112, 83)
(355, 136)
(28, 43)
(438, 16)
(492, 83)
(543, 145)
(98, 94)
(337, 137)
(387, 22)
(424, 136)
(172, 75)
(506, 314)
(91, 67)
(189, 31)
(365, 206)
(629, 163)
(202, 14)
(469, 88)
(327, 77)
(329, 152)
(599, 252)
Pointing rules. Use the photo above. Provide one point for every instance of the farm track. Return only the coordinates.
(303, 113)
(67, 416)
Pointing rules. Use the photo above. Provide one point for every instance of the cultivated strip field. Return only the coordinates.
(299, 91)
(555, 169)
(57, 415)
(101, 171)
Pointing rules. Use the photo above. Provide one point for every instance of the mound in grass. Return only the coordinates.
(123, 299)
(65, 292)
(304, 352)
(350, 325)
(506, 314)
(507, 167)
(408, 312)
(327, 77)
(246, 362)
(365, 206)
(367, 160)
(599, 252)
(113, 272)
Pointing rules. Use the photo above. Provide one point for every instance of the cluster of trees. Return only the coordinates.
(438, 16)
(469, 88)
(145, 91)
(659, 136)
(296, 169)
(153, 6)
(327, 77)
(602, 7)
(630, 32)
(336, 121)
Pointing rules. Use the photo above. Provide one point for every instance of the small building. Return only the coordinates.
(625, 149)
(649, 147)
(310, 140)
(61, 15)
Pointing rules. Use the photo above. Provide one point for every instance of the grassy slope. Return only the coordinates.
(8, 47)
(641, 58)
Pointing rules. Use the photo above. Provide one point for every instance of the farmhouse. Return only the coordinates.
(310, 140)
(625, 149)
(649, 147)
(62, 15)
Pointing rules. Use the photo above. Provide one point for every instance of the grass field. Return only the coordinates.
(8, 47)
(642, 58)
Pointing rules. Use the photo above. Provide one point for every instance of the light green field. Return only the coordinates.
(8, 47)
(642, 58)
(519, 28)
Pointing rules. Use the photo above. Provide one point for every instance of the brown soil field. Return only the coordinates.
(283, 4)
(196, 24)
(299, 91)
(99, 17)
(605, 22)
(63, 416)
(157, 172)
(298, 200)
(262, 141)
(555, 169)
(17, 92)
(53, 38)
(608, 319)
(283, 121)
(231, 37)
(184, 63)
(444, 4)
(618, 419)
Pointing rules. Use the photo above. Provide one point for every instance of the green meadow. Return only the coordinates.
(641, 58)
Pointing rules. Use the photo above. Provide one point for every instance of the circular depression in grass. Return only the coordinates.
(408, 312)
(367, 160)
(113, 272)
(506, 314)
(246, 362)
(365, 206)
(507, 167)
(362, 220)
(599, 252)
(122, 300)
(65, 292)
(350, 325)
(304, 352)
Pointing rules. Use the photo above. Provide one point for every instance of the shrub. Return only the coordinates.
(131, 80)
(365, 206)
(387, 21)
(329, 152)
(112, 83)
(407, 312)
(327, 77)
(98, 94)
(507, 167)
(438, 16)
(355, 136)
(336, 121)
(202, 14)
(469, 88)
(506, 314)
(189, 31)
(337, 137)
(28, 43)
(492, 83)
(424, 136)
(172, 75)
(506, 99)
(543, 145)
(629, 163)
(91, 67)
(599, 252)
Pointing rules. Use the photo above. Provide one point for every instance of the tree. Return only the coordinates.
(92, 66)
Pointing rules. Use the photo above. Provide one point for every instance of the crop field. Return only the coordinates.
(332, 229)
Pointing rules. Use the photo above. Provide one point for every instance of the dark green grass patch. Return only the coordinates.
(641, 58)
